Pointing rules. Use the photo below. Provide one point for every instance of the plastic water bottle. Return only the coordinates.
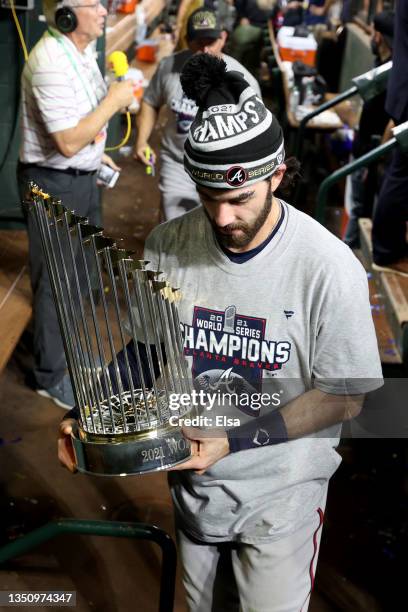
(309, 96)
(141, 26)
(294, 99)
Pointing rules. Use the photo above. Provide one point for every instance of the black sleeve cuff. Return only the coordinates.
(72, 414)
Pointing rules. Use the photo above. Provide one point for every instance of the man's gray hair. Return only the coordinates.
(50, 7)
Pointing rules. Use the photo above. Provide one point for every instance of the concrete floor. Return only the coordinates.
(108, 575)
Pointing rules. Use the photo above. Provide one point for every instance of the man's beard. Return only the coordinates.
(248, 231)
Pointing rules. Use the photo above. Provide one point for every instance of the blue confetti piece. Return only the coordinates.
(3, 442)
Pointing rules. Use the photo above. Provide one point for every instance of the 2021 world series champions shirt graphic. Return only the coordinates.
(185, 111)
(231, 348)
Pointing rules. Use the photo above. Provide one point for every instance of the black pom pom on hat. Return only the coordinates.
(205, 75)
(234, 139)
(201, 74)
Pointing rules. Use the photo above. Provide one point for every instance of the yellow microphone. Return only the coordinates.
(119, 64)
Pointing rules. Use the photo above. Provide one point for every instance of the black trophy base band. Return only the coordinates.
(131, 457)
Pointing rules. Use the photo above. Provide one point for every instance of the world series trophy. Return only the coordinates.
(106, 301)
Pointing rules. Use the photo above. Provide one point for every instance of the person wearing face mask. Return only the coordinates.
(390, 248)
(373, 121)
(204, 35)
(65, 108)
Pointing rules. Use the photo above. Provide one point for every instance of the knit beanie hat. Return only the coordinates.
(234, 139)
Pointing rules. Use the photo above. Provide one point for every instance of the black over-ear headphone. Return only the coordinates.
(65, 20)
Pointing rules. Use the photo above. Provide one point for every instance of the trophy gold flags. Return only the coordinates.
(121, 332)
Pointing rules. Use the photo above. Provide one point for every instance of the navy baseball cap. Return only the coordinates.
(203, 23)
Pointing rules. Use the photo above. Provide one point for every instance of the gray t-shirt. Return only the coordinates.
(294, 317)
(165, 88)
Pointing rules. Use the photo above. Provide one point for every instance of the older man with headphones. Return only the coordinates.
(65, 109)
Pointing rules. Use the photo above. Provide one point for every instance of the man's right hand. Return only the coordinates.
(121, 93)
(65, 450)
(139, 153)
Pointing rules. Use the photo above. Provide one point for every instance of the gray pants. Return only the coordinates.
(178, 191)
(268, 577)
(78, 193)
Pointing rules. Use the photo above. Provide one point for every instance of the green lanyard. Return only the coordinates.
(60, 40)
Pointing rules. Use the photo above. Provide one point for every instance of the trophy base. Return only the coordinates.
(152, 451)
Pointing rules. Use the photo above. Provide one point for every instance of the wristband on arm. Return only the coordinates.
(263, 431)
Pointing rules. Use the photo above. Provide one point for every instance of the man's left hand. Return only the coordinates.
(204, 451)
(106, 159)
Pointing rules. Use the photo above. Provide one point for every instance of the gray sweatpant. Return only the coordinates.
(178, 191)
(270, 577)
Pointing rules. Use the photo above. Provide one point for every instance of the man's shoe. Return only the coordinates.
(61, 394)
(398, 267)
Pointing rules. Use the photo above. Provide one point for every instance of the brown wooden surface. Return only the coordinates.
(386, 340)
(15, 292)
(349, 111)
(395, 284)
(165, 48)
(387, 344)
(397, 289)
(121, 28)
(385, 288)
(120, 32)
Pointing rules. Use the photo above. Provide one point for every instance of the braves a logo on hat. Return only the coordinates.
(204, 20)
(236, 176)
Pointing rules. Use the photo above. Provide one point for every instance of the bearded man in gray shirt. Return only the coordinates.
(270, 297)
(178, 192)
(273, 305)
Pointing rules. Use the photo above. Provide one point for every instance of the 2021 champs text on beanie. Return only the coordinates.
(234, 139)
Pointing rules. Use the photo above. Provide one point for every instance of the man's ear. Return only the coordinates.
(379, 39)
(223, 37)
(277, 177)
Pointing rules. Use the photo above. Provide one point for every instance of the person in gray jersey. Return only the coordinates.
(274, 308)
(178, 192)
